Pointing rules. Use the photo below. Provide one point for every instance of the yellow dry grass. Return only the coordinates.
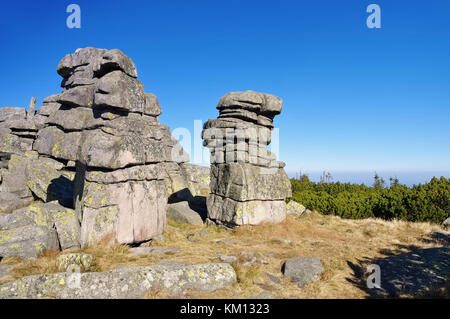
(342, 245)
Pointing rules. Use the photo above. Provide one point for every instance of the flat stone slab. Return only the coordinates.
(122, 283)
(152, 250)
(414, 271)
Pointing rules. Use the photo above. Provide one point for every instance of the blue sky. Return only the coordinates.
(355, 99)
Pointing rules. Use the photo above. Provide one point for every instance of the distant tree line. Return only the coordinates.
(423, 202)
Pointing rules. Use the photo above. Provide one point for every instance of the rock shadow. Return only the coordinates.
(196, 203)
(61, 190)
(409, 274)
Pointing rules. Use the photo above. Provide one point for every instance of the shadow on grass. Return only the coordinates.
(418, 273)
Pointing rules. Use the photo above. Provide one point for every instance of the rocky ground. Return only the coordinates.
(306, 256)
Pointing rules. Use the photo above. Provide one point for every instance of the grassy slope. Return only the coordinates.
(343, 246)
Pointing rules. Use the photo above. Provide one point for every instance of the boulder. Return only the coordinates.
(198, 178)
(15, 178)
(119, 91)
(446, 223)
(303, 270)
(49, 226)
(181, 213)
(254, 212)
(295, 208)
(47, 183)
(27, 241)
(9, 202)
(81, 262)
(122, 283)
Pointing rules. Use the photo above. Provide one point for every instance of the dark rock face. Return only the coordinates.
(248, 184)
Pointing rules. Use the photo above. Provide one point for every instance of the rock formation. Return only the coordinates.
(248, 184)
(108, 125)
(95, 157)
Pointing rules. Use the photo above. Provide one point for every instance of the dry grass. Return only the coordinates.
(340, 243)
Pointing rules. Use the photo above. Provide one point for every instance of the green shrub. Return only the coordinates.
(423, 202)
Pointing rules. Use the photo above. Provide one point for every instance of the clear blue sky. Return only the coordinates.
(355, 99)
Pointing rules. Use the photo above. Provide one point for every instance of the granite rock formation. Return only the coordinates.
(248, 185)
(108, 126)
(94, 158)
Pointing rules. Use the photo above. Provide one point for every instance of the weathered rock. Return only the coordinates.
(446, 223)
(303, 270)
(115, 60)
(78, 261)
(54, 142)
(295, 208)
(198, 179)
(15, 178)
(119, 91)
(123, 283)
(47, 183)
(133, 211)
(181, 213)
(8, 113)
(31, 108)
(27, 241)
(103, 149)
(248, 184)
(106, 127)
(253, 212)
(61, 221)
(9, 202)
(228, 259)
(78, 96)
(152, 106)
(14, 144)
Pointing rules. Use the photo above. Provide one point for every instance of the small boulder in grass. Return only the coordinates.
(303, 270)
(295, 208)
(83, 261)
(446, 224)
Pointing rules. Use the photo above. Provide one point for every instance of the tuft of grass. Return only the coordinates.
(10, 260)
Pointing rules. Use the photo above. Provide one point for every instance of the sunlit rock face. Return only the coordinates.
(248, 184)
(106, 128)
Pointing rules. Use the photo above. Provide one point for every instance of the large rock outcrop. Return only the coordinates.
(96, 151)
(108, 126)
(248, 184)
